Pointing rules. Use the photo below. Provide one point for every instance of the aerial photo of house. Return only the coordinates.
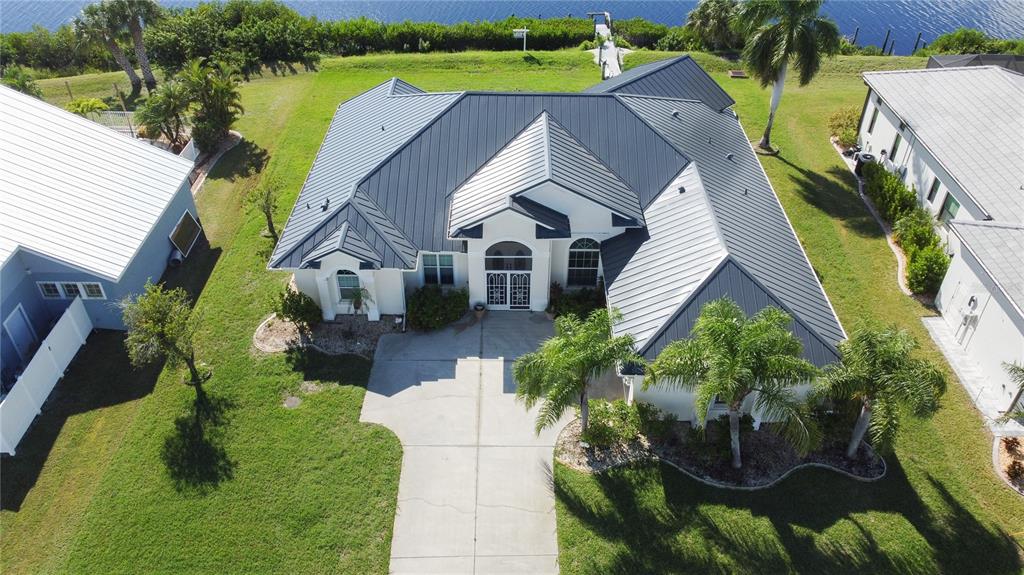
(730, 286)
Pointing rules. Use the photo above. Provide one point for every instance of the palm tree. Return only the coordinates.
(712, 21)
(214, 88)
(559, 373)
(132, 14)
(730, 357)
(166, 111)
(878, 372)
(1016, 372)
(21, 80)
(780, 32)
(95, 24)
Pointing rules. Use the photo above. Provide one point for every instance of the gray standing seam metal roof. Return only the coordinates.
(679, 77)
(1008, 61)
(971, 120)
(999, 247)
(751, 220)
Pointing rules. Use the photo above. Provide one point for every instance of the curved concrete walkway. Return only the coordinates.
(476, 492)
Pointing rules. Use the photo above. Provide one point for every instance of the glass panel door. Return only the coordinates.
(519, 288)
(497, 289)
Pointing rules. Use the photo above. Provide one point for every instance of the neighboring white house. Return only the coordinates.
(87, 216)
(957, 135)
(646, 184)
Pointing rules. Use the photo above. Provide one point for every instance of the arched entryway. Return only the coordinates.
(507, 266)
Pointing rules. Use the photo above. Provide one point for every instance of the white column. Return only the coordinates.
(541, 276)
(477, 276)
(327, 297)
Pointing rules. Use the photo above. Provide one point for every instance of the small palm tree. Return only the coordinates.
(712, 21)
(132, 14)
(213, 86)
(166, 112)
(729, 357)
(1016, 409)
(878, 372)
(781, 32)
(86, 107)
(559, 373)
(21, 80)
(95, 24)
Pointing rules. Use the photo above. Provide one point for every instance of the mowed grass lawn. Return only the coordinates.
(101, 484)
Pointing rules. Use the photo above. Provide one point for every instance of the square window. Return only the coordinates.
(71, 290)
(49, 290)
(93, 291)
(438, 269)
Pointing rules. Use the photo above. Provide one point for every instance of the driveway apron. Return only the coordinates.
(476, 492)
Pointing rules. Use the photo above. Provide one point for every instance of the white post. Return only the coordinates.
(327, 298)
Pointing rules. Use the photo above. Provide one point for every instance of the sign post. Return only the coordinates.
(521, 33)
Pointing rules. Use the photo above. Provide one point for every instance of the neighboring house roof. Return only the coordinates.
(75, 191)
(1008, 61)
(678, 77)
(543, 152)
(999, 248)
(970, 120)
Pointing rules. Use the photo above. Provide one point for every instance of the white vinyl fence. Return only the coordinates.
(23, 403)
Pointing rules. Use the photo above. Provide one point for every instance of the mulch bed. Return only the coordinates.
(766, 456)
(346, 334)
(1006, 458)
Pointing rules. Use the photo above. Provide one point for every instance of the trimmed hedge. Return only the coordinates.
(915, 231)
(888, 192)
(927, 268)
(432, 308)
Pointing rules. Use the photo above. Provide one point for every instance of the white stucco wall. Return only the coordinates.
(386, 290)
(681, 403)
(993, 333)
(509, 226)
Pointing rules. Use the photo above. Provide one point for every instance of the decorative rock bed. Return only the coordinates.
(1002, 457)
(346, 334)
(767, 459)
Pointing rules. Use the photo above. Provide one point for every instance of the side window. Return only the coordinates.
(438, 269)
(71, 290)
(874, 118)
(584, 257)
(933, 190)
(950, 206)
(348, 284)
(93, 291)
(895, 147)
(49, 290)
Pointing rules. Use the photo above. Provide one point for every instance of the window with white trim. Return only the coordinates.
(49, 290)
(93, 290)
(348, 284)
(933, 190)
(438, 269)
(71, 289)
(185, 233)
(950, 207)
(584, 257)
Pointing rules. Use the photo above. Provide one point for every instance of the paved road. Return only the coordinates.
(476, 494)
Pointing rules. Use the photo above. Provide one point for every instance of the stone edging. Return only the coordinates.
(998, 469)
(901, 258)
(302, 344)
(234, 138)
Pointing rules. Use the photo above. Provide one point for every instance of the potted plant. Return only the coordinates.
(359, 296)
(479, 309)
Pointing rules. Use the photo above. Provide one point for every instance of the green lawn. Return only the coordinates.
(100, 485)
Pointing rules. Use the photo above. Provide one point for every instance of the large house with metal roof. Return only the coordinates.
(645, 184)
(87, 216)
(956, 134)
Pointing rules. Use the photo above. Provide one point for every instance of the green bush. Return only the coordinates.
(888, 192)
(639, 32)
(915, 231)
(431, 308)
(612, 422)
(588, 45)
(843, 125)
(679, 39)
(579, 302)
(653, 421)
(926, 270)
(297, 308)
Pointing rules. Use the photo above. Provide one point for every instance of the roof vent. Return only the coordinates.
(709, 140)
(745, 191)
(675, 113)
(324, 206)
(729, 156)
(382, 127)
(682, 190)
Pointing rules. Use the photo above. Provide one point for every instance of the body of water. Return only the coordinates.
(906, 18)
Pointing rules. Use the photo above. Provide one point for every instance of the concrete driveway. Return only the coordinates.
(476, 494)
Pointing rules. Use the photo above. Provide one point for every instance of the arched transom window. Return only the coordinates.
(348, 284)
(511, 256)
(584, 257)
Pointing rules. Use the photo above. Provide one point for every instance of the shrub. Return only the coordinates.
(888, 192)
(653, 421)
(679, 39)
(926, 270)
(579, 302)
(298, 308)
(843, 125)
(612, 422)
(1012, 445)
(915, 231)
(639, 32)
(588, 45)
(1015, 471)
(86, 107)
(430, 307)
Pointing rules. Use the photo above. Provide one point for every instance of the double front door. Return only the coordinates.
(508, 290)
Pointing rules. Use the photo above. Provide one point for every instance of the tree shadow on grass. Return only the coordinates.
(194, 453)
(834, 193)
(665, 522)
(244, 160)
(344, 369)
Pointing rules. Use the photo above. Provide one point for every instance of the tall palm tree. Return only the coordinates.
(559, 373)
(780, 33)
(95, 24)
(133, 14)
(878, 372)
(166, 111)
(729, 357)
(712, 21)
(214, 88)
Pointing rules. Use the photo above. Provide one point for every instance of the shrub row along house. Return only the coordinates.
(956, 135)
(646, 181)
(87, 216)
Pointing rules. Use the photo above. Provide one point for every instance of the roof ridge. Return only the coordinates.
(568, 132)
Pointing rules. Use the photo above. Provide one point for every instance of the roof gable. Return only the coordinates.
(680, 78)
(999, 248)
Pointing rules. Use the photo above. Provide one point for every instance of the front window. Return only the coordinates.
(348, 284)
(895, 147)
(874, 117)
(49, 290)
(933, 190)
(438, 269)
(71, 290)
(584, 256)
(949, 209)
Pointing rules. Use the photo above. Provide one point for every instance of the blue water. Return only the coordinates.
(906, 18)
